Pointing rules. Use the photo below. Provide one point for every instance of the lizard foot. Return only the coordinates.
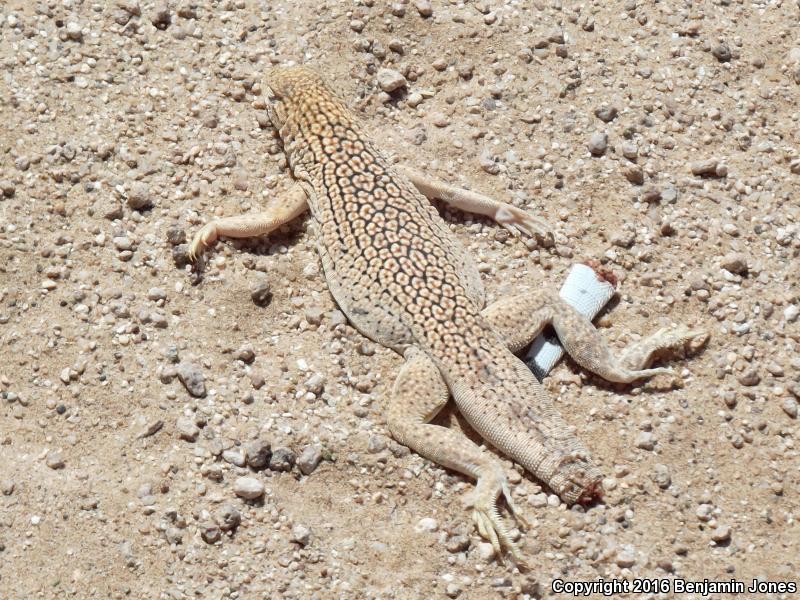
(487, 518)
(202, 239)
(517, 220)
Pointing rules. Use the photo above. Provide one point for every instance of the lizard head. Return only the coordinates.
(286, 87)
(297, 96)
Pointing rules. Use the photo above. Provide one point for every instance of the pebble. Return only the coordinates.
(228, 517)
(485, 551)
(74, 31)
(721, 534)
(606, 113)
(709, 167)
(248, 488)
(735, 262)
(749, 377)
(662, 476)
(192, 378)
(210, 532)
(721, 52)
(645, 441)
(261, 293)
(626, 557)
(598, 143)
(160, 16)
(139, 196)
(309, 459)
(791, 312)
(7, 188)
(235, 457)
(187, 429)
(427, 524)
(424, 8)
(301, 535)
(7, 487)
(55, 460)
(258, 454)
(634, 174)
(789, 406)
(390, 80)
(282, 459)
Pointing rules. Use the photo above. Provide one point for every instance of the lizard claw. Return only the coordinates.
(517, 220)
(202, 239)
(487, 518)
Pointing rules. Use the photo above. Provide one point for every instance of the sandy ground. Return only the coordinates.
(658, 138)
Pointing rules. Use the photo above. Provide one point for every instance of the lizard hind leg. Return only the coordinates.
(419, 393)
(519, 319)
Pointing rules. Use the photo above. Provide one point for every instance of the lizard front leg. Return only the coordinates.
(279, 212)
(509, 216)
(419, 394)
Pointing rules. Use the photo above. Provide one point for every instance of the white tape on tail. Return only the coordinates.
(588, 292)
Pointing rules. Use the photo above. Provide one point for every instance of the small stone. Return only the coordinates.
(376, 444)
(706, 167)
(235, 457)
(175, 236)
(735, 262)
(54, 460)
(229, 517)
(749, 377)
(139, 196)
(7, 487)
(246, 354)
(210, 532)
(248, 488)
(301, 535)
(282, 459)
(626, 557)
(606, 113)
(258, 454)
(180, 255)
(261, 293)
(160, 16)
(634, 174)
(187, 429)
(645, 441)
(704, 512)
(662, 477)
(721, 52)
(357, 25)
(452, 590)
(7, 188)
(458, 543)
(598, 143)
(485, 551)
(74, 31)
(424, 8)
(390, 80)
(630, 151)
(192, 379)
(721, 534)
(791, 312)
(427, 524)
(651, 195)
(669, 194)
(789, 406)
(309, 459)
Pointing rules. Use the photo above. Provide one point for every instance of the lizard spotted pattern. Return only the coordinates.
(402, 279)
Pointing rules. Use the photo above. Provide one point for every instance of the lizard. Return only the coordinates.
(403, 280)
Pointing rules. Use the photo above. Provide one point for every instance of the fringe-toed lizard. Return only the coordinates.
(403, 281)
